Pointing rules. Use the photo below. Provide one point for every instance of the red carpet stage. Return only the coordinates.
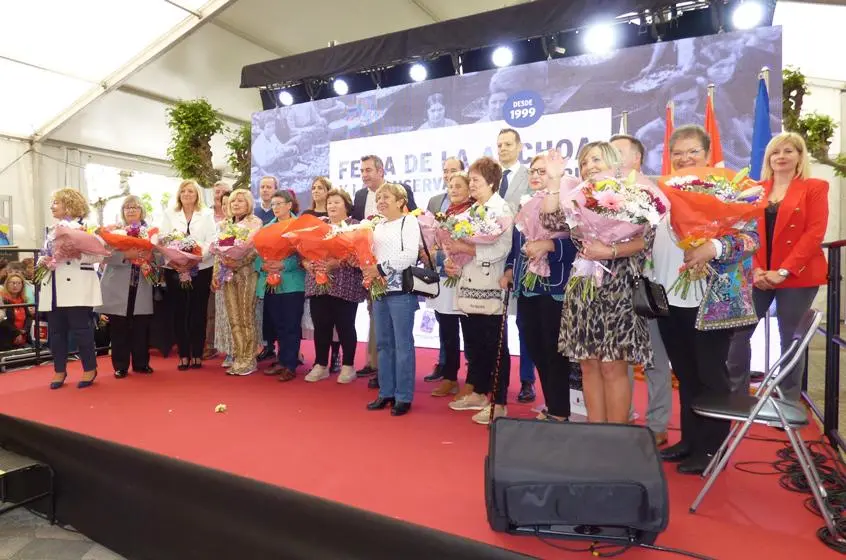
(425, 468)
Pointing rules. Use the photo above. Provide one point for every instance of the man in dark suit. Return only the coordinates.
(364, 206)
(373, 177)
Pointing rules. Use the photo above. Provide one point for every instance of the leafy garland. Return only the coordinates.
(193, 123)
(817, 130)
(239, 158)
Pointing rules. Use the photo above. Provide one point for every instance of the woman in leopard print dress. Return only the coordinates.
(602, 333)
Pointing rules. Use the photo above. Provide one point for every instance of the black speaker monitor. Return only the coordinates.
(577, 480)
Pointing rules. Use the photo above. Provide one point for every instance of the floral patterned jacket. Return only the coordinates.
(728, 296)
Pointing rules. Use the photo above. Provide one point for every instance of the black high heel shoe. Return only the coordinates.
(58, 384)
(83, 384)
(380, 403)
(196, 363)
(183, 365)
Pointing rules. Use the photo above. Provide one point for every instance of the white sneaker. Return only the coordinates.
(473, 401)
(317, 373)
(483, 417)
(347, 374)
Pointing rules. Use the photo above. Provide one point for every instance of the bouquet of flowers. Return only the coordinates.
(307, 234)
(357, 241)
(528, 223)
(476, 226)
(273, 246)
(233, 243)
(608, 209)
(67, 240)
(137, 237)
(181, 250)
(708, 203)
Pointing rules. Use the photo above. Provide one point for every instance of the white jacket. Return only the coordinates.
(77, 285)
(203, 229)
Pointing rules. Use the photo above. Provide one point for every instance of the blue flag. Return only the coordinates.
(761, 132)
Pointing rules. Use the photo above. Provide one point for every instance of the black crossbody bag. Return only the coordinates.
(420, 281)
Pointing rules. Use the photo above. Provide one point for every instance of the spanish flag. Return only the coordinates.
(713, 130)
(666, 162)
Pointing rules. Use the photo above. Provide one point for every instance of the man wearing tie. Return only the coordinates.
(515, 176)
(440, 203)
(514, 184)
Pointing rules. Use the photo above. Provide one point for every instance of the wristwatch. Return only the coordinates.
(783, 272)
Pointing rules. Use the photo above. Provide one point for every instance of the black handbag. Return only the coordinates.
(649, 298)
(420, 281)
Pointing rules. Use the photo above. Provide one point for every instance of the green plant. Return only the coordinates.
(165, 200)
(239, 157)
(817, 130)
(147, 203)
(192, 124)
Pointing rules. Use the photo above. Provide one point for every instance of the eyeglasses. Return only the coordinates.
(539, 171)
(125, 208)
(689, 153)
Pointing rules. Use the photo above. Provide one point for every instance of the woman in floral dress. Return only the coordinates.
(602, 333)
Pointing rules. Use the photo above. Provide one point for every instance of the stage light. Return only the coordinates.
(285, 98)
(418, 72)
(502, 56)
(747, 15)
(600, 38)
(340, 86)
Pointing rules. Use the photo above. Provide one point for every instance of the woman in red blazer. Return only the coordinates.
(790, 265)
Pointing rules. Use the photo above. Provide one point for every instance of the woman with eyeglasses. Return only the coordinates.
(128, 301)
(539, 307)
(284, 303)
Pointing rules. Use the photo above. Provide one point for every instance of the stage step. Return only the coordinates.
(13, 463)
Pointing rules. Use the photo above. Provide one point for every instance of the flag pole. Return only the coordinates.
(764, 74)
(624, 123)
(711, 88)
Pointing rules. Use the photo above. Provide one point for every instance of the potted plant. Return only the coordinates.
(193, 123)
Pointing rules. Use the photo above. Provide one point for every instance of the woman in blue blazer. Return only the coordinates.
(539, 309)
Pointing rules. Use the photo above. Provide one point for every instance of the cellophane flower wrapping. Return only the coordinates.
(273, 247)
(307, 234)
(181, 250)
(355, 242)
(66, 241)
(528, 223)
(610, 209)
(135, 236)
(234, 242)
(708, 203)
(477, 226)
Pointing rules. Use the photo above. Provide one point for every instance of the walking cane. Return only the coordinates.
(500, 342)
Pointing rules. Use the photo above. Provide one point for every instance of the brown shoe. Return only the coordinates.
(466, 390)
(661, 438)
(275, 369)
(445, 388)
(286, 374)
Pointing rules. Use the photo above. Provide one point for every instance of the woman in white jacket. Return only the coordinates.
(190, 307)
(480, 296)
(69, 295)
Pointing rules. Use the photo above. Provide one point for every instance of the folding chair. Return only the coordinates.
(769, 409)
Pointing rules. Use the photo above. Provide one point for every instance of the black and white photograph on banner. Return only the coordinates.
(580, 99)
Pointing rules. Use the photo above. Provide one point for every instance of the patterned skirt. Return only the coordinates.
(605, 327)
